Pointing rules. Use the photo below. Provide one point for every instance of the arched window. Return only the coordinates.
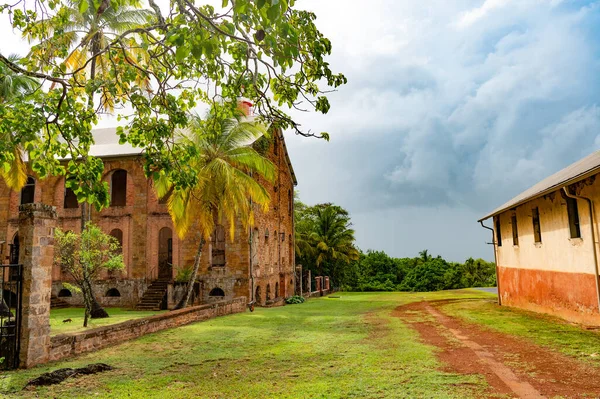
(218, 246)
(277, 290)
(290, 203)
(64, 293)
(216, 292)
(268, 292)
(113, 293)
(257, 295)
(118, 188)
(70, 199)
(275, 144)
(28, 191)
(118, 234)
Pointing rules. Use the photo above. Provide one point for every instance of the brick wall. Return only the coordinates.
(273, 256)
(141, 220)
(66, 345)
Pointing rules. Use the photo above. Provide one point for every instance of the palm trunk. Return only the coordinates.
(190, 288)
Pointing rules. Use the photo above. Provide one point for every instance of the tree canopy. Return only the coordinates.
(318, 228)
(154, 68)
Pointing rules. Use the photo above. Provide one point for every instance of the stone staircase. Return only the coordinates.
(154, 295)
(56, 303)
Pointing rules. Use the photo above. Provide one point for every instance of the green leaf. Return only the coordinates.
(224, 4)
(83, 6)
(273, 12)
(181, 53)
(260, 3)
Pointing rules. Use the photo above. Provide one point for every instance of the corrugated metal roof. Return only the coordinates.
(578, 171)
(107, 145)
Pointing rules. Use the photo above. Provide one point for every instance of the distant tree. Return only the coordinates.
(83, 256)
(424, 256)
(426, 276)
(332, 239)
(225, 168)
(478, 273)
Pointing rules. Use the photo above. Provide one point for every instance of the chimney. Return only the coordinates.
(245, 106)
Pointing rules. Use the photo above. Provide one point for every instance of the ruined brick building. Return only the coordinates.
(258, 264)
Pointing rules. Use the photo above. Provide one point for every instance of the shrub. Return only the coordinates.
(293, 300)
(183, 274)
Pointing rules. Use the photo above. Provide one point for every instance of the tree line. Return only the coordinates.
(325, 245)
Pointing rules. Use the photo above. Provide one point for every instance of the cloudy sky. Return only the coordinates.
(452, 108)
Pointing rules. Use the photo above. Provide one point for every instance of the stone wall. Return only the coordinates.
(66, 345)
(36, 227)
(272, 255)
(131, 291)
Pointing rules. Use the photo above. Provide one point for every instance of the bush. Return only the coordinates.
(293, 300)
(183, 274)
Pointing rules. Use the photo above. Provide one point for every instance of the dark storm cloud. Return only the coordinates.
(450, 111)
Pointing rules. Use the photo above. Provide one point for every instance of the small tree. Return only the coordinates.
(83, 256)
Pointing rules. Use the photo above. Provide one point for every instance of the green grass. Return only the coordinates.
(349, 347)
(117, 315)
(544, 330)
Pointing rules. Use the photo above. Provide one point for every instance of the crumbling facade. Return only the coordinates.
(545, 244)
(257, 262)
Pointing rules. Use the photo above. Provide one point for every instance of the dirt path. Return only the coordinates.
(510, 365)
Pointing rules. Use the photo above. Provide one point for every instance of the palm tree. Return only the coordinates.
(87, 31)
(14, 85)
(333, 238)
(225, 167)
(425, 256)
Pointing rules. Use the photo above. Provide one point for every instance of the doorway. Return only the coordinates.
(165, 254)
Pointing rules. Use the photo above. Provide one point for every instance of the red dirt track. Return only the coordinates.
(511, 366)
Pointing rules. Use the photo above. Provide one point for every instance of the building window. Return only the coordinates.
(498, 232)
(537, 231)
(28, 191)
(70, 199)
(268, 292)
(515, 230)
(257, 295)
(573, 213)
(275, 144)
(118, 235)
(277, 290)
(218, 246)
(290, 203)
(216, 292)
(118, 188)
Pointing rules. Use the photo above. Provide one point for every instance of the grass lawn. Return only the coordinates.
(117, 315)
(350, 347)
